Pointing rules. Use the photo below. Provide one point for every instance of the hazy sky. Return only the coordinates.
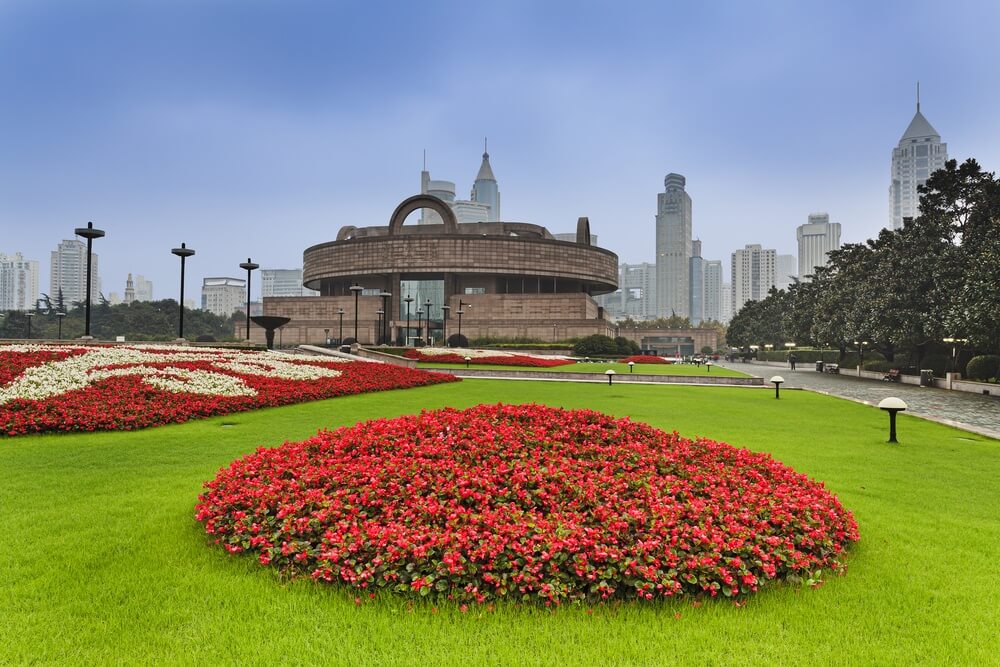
(259, 128)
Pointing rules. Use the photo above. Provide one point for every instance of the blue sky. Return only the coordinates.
(259, 128)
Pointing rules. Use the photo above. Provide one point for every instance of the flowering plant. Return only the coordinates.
(528, 503)
(646, 359)
(56, 388)
(488, 357)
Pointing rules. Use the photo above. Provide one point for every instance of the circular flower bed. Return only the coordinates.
(528, 503)
(646, 359)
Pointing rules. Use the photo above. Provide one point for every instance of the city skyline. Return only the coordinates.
(265, 123)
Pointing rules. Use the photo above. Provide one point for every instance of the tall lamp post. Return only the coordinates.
(340, 336)
(60, 316)
(427, 309)
(90, 233)
(461, 312)
(248, 266)
(955, 342)
(406, 336)
(420, 323)
(384, 334)
(356, 288)
(184, 252)
(445, 309)
(29, 316)
(381, 314)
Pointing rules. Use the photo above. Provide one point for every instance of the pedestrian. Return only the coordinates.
(792, 359)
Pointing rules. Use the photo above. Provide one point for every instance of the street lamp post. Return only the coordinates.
(460, 312)
(29, 316)
(381, 315)
(406, 336)
(445, 309)
(326, 335)
(184, 252)
(340, 335)
(60, 316)
(356, 288)
(427, 309)
(384, 334)
(954, 350)
(248, 266)
(420, 323)
(90, 233)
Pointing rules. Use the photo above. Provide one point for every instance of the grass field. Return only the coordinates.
(102, 561)
(599, 368)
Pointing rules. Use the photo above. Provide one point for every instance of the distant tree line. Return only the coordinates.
(905, 291)
(140, 320)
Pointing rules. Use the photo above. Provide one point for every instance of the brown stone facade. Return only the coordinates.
(546, 317)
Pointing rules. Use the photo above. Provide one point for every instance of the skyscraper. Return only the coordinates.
(482, 206)
(18, 282)
(68, 273)
(816, 239)
(696, 284)
(753, 270)
(786, 271)
(143, 289)
(673, 247)
(919, 153)
(485, 190)
(713, 290)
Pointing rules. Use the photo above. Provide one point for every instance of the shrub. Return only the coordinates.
(879, 365)
(625, 346)
(458, 340)
(985, 367)
(595, 346)
(525, 503)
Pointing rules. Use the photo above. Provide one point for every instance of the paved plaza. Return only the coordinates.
(973, 412)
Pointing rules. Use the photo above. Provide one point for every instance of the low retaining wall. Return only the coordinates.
(600, 377)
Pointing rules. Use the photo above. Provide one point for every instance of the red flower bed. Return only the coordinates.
(525, 503)
(122, 396)
(646, 359)
(509, 360)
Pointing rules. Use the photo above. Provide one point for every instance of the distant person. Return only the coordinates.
(792, 359)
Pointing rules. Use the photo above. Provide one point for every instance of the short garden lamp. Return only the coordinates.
(467, 360)
(777, 380)
(708, 366)
(892, 405)
(610, 373)
(631, 364)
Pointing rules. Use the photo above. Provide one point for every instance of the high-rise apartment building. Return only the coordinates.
(18, 282)
(224, 296)
(816, 238)
(143, 288)
(713, 289)
(283, 282)
(920, 152)
(786, 271)
(753, 274)
(68, 273)
(673, 247)
(727, 303)
(696, 284)
(636, 295)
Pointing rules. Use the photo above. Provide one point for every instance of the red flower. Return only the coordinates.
(527, 503)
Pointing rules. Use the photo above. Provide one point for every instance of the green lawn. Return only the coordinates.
(599, 368)
(102, 562)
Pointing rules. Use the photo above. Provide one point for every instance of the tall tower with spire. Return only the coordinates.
(129, 290)
(920, 152)
(485, 190)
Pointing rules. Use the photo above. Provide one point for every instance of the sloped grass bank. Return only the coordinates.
(103, 561)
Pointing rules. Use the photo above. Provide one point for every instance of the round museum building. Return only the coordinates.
(417, 283)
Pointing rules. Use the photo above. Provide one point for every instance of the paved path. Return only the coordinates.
(973, 412)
